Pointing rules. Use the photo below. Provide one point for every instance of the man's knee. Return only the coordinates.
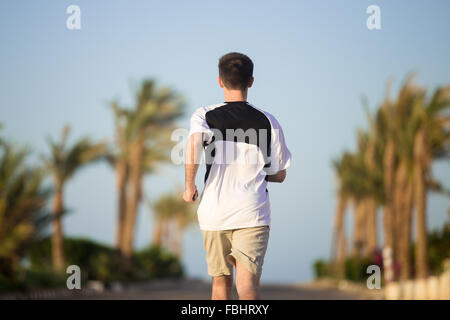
(223, 281)
(248, 291)
(247, 285)
(221, 287)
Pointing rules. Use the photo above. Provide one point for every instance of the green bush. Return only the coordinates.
(101, 262)
(321, 269)
(38, 279)
(158, 263)
(438, 242)
(31, 279)
(355, 268)
(93, 258)
(8, 284)
(438, 248)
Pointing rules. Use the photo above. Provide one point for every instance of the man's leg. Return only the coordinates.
(249, 247)
(217, 245)
(221, 287)
(247, 283)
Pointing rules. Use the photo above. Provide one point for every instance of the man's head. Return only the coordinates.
(235, 71)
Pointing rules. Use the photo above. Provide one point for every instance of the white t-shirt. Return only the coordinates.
(242, 144)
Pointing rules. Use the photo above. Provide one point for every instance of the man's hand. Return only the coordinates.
(190, 194)
(277, 177)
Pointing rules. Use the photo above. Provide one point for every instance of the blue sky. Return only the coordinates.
(314, 60)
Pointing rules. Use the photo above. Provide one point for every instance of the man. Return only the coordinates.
(244, 149)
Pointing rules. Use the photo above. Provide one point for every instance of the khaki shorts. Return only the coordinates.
(247, 245)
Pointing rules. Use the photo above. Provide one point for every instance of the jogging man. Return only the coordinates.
(244, 150)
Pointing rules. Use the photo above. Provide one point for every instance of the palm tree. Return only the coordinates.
(385, 126)
(360, 182)
(364, 187)
(118, 157)
(350, 170)
(172, 216)
(155, 152)
(371, 204)
(62, 163)
(392, 167)
(22, 206)
(405, 129)
(431, 141)
(145, 143)
(119, 160)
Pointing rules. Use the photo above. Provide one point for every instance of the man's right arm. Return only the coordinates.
(193, 157)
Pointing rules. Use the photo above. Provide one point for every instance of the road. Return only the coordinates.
(200, 290)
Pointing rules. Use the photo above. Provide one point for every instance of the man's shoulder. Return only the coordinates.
(273, 120)
(204, 109)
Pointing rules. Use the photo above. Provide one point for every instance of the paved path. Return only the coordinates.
(189, 289)
(197, 290)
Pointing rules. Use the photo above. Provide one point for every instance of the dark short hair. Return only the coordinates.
(235, 70)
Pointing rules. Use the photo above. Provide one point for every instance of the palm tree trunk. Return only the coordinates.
(339, 242)
(370, 203)
(121, 176)
(359, 243)
(134, 197)
(420, 199)
(157, 233)
(405, 272)
(165, 234)
(179, 243)
(171, 239)
(57, 235)
(371, 223)
(403, 207)
(180, 225)
(389, 213)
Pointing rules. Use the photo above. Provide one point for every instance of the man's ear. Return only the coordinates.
(220, 82)
(251, 82)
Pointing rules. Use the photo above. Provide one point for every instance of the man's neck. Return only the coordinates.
(235, 95)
